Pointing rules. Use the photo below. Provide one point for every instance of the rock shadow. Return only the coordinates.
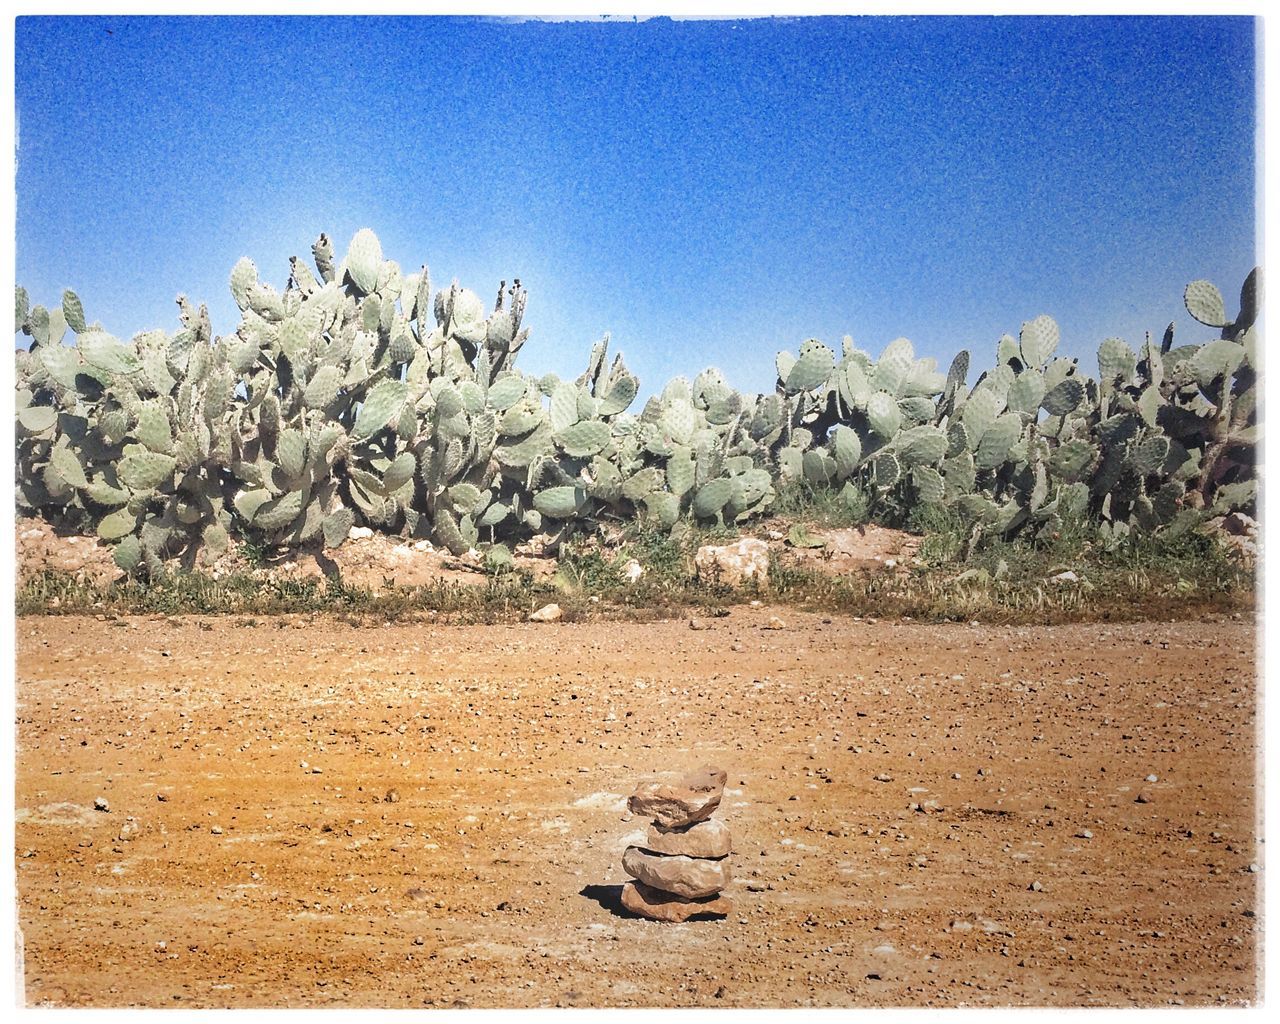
(609, 897)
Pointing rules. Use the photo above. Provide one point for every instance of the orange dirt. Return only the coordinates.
(301, 813)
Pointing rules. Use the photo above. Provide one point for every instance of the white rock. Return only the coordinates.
(359, 533)
(632, 571)
(547, 613)
(424, 545)
(1065, 577)
(1238, 532)
(734, 564)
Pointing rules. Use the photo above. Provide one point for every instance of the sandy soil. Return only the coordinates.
(301, 813)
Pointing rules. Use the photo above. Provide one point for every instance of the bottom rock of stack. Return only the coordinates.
(664, 906)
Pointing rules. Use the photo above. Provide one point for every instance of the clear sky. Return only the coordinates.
(708, 192)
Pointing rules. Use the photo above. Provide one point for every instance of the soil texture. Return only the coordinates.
(228, 813)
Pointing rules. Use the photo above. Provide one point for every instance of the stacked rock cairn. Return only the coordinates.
(684, 863)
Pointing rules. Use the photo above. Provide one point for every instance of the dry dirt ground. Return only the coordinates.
(301, 813)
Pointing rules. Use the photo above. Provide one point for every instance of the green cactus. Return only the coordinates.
(337, 402)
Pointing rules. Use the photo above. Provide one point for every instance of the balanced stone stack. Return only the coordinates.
(683, 865)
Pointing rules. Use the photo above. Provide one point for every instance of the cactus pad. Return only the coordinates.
(1038, 341)
(1204, 302)
(883, 414)
(1063, 398)
(812, 369)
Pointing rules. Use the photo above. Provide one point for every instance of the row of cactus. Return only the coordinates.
(1161, 438)
(356, 395)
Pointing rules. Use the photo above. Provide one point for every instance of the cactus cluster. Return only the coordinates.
(357, 396)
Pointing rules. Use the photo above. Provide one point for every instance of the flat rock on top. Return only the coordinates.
(693, 798)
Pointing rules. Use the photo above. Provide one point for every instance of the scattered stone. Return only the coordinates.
(733, 564)
(664, 906)
(774, 623)
(693, 798)
(547, 613)
(100, 804)
(1035, 887)
(882, 777)
(1153, 778)
(216, 830)
(359, 533)
(708, 838)
(698, 624)
(632, 571)
(392, 796)
(1143, 797)
(1065, 577)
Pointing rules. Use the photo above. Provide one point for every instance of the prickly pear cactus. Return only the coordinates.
(357, 395)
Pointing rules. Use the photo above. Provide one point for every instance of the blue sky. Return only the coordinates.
(708, 192)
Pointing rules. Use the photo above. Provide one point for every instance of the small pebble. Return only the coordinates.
(100, 804)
